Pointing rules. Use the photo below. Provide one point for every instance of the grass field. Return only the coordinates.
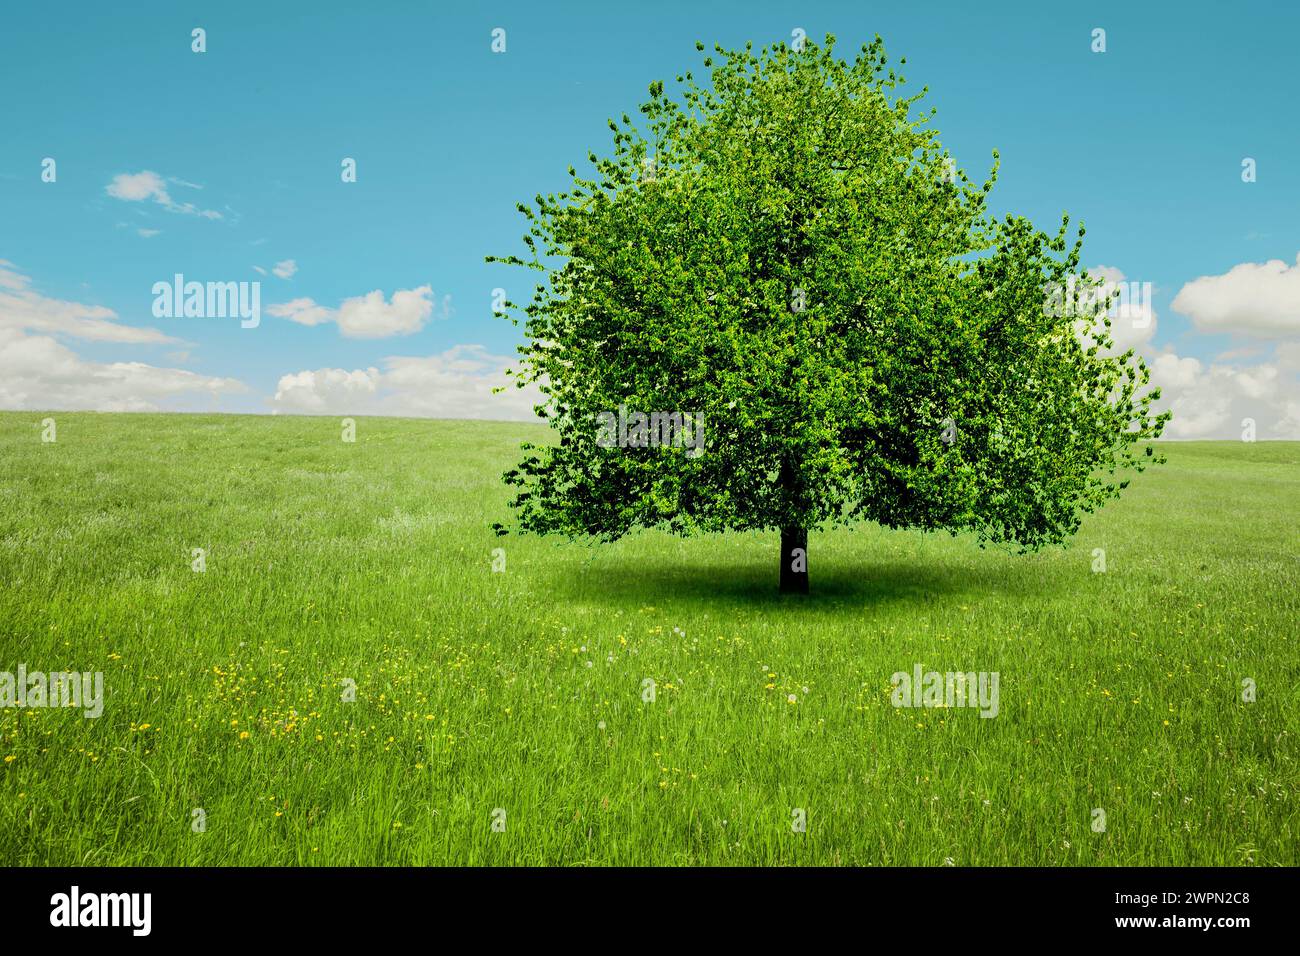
(522, 691)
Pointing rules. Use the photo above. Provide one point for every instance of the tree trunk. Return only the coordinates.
(794, 560)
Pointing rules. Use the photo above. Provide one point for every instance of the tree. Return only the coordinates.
(786, 260)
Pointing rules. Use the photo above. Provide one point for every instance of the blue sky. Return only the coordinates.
(1144, 142)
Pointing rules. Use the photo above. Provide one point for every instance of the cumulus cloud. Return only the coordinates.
(1288, 355)
(22, 308)
(37, 371)
(368, 316)
(138, 187)
(1171, 372)
(1258, 299)
(457, 383)
(326, 390)
(1210, 400)
(1215, 400)
(303, 311)
(285, 269)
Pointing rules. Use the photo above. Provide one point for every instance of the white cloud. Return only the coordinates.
(137, 187)
(326, 390)
(1288, 355)
(303, 311)
(21, 309)
(1170, 372)
(10, 278)
(37, 372)
(285, 269)
(1259, 299)
(368, 316)
(455, 384)
(1213, 401)
(1245, 352)
(148, 233)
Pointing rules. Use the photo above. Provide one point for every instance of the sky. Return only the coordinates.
(227, 165)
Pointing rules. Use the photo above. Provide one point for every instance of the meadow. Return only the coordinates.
(349, 682)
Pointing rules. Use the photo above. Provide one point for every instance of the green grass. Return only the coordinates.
(478, 690)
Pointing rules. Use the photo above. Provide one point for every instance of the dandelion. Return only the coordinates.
(10, 759)
(243, 735)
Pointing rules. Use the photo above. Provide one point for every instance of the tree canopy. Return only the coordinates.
(786, 256)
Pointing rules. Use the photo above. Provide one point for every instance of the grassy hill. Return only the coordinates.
(478, 692)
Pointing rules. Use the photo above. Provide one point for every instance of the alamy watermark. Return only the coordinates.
(922, 688)
(208, 300)
(26, 689)
(624, 429)
(75, 908)
(1124, 300)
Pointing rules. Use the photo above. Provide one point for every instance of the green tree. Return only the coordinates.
(787, 254)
